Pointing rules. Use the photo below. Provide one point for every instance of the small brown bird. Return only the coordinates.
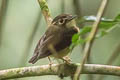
(57, 39)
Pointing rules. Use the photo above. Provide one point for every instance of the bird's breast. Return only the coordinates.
(62, 48)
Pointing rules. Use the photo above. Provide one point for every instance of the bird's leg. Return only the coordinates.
(50, 61)
(66, 59)
(52, 50)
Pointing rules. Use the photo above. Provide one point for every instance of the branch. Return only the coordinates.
(112, 59)
(45, 11)
(91, 37)
(56, 69)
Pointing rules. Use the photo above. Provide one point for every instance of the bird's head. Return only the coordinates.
(64, 20)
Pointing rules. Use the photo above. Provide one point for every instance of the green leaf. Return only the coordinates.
(85, 30)
(106, 25)
(75, 38)
(81, 41)
(117, 18)
(101, 34)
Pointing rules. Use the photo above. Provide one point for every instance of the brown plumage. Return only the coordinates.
(59, 35)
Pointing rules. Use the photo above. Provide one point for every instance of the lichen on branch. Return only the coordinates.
(56, 69)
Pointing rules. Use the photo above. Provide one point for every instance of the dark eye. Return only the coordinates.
(61, 21)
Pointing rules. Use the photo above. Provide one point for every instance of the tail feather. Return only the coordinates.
(38, 56)
(34, 59)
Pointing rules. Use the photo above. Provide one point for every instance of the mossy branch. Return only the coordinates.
(45, 11)
(56, 69)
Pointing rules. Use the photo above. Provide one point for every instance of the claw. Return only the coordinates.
(66, 59)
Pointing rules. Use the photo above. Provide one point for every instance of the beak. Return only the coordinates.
(72, 17)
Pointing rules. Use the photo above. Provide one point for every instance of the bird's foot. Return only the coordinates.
(50, 63)
(66, 59)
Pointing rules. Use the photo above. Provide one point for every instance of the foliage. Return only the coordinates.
(105, 26)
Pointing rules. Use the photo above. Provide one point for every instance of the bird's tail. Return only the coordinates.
(34, 59)
(38, 56)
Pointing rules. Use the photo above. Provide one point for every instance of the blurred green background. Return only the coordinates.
(22, 25)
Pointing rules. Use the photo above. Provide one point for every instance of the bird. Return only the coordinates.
(55, 42)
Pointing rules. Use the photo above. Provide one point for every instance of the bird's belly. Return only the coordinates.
(61, 53)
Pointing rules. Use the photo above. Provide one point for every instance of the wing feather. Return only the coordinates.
(41, 49)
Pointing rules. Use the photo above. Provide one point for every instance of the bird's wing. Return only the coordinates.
(41, 49)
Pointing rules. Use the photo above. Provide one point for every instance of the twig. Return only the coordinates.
(91, 36)
(45, 11)
(54, 69)
(89, 61)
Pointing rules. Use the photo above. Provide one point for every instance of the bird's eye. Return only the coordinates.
(61, 21)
